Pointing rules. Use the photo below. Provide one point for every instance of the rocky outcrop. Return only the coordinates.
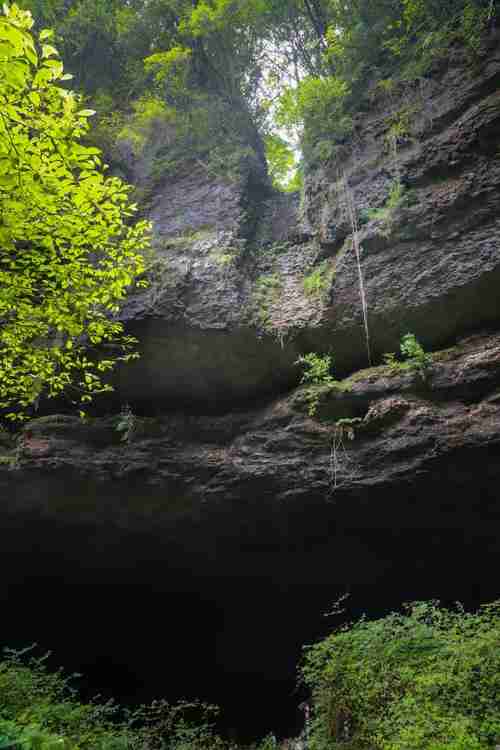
(244, 281)
(379, 435)
(196, 323)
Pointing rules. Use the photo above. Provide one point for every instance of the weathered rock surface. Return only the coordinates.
(243, 283)
(397, 435)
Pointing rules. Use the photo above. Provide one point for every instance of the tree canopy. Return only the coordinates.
(254, 53)
(69, 250)
(287, 69)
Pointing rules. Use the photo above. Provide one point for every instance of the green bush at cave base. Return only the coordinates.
(427, 679)
(41, 710)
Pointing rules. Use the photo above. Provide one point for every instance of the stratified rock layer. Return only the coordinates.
(381, 435)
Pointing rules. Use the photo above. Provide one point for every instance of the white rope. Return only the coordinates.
(351, 209)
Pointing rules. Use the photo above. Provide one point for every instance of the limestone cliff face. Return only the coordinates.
(245, 279)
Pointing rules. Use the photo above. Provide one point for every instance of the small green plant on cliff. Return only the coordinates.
(317, 371)
(416, 359)
(224, 259)
(386, 213)
(317, 368)
(266, 295)
(400, 126)
(127, 424)
(414, 352)
(427, 679)
(318, 282)
(395, 195)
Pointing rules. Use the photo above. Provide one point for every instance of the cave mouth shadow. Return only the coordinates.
(219, 607)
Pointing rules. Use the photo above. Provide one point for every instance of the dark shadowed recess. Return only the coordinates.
(219, 605)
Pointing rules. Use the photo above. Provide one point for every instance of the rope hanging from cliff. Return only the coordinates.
(351, 210)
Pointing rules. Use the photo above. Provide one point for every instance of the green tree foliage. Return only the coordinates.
(427, 679)
(68, 249)
(93, 38)
(304, 64)
(46, 12)
(314, 110)
(41, 710)
(281, 162)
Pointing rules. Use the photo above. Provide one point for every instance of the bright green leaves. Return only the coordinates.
(206, 17)
(314, 111)
(172, 65)
(281, 161)
(317, 371)
(312, 101)
(68, 252)
(48, 50)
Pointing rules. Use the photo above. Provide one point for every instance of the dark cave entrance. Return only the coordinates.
(219, 607)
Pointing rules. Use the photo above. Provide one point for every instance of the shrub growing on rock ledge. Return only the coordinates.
(317, 372)
(416, 358)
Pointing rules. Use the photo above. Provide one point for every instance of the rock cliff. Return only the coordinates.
(244, 279)
(380, 432)
(231, 515)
